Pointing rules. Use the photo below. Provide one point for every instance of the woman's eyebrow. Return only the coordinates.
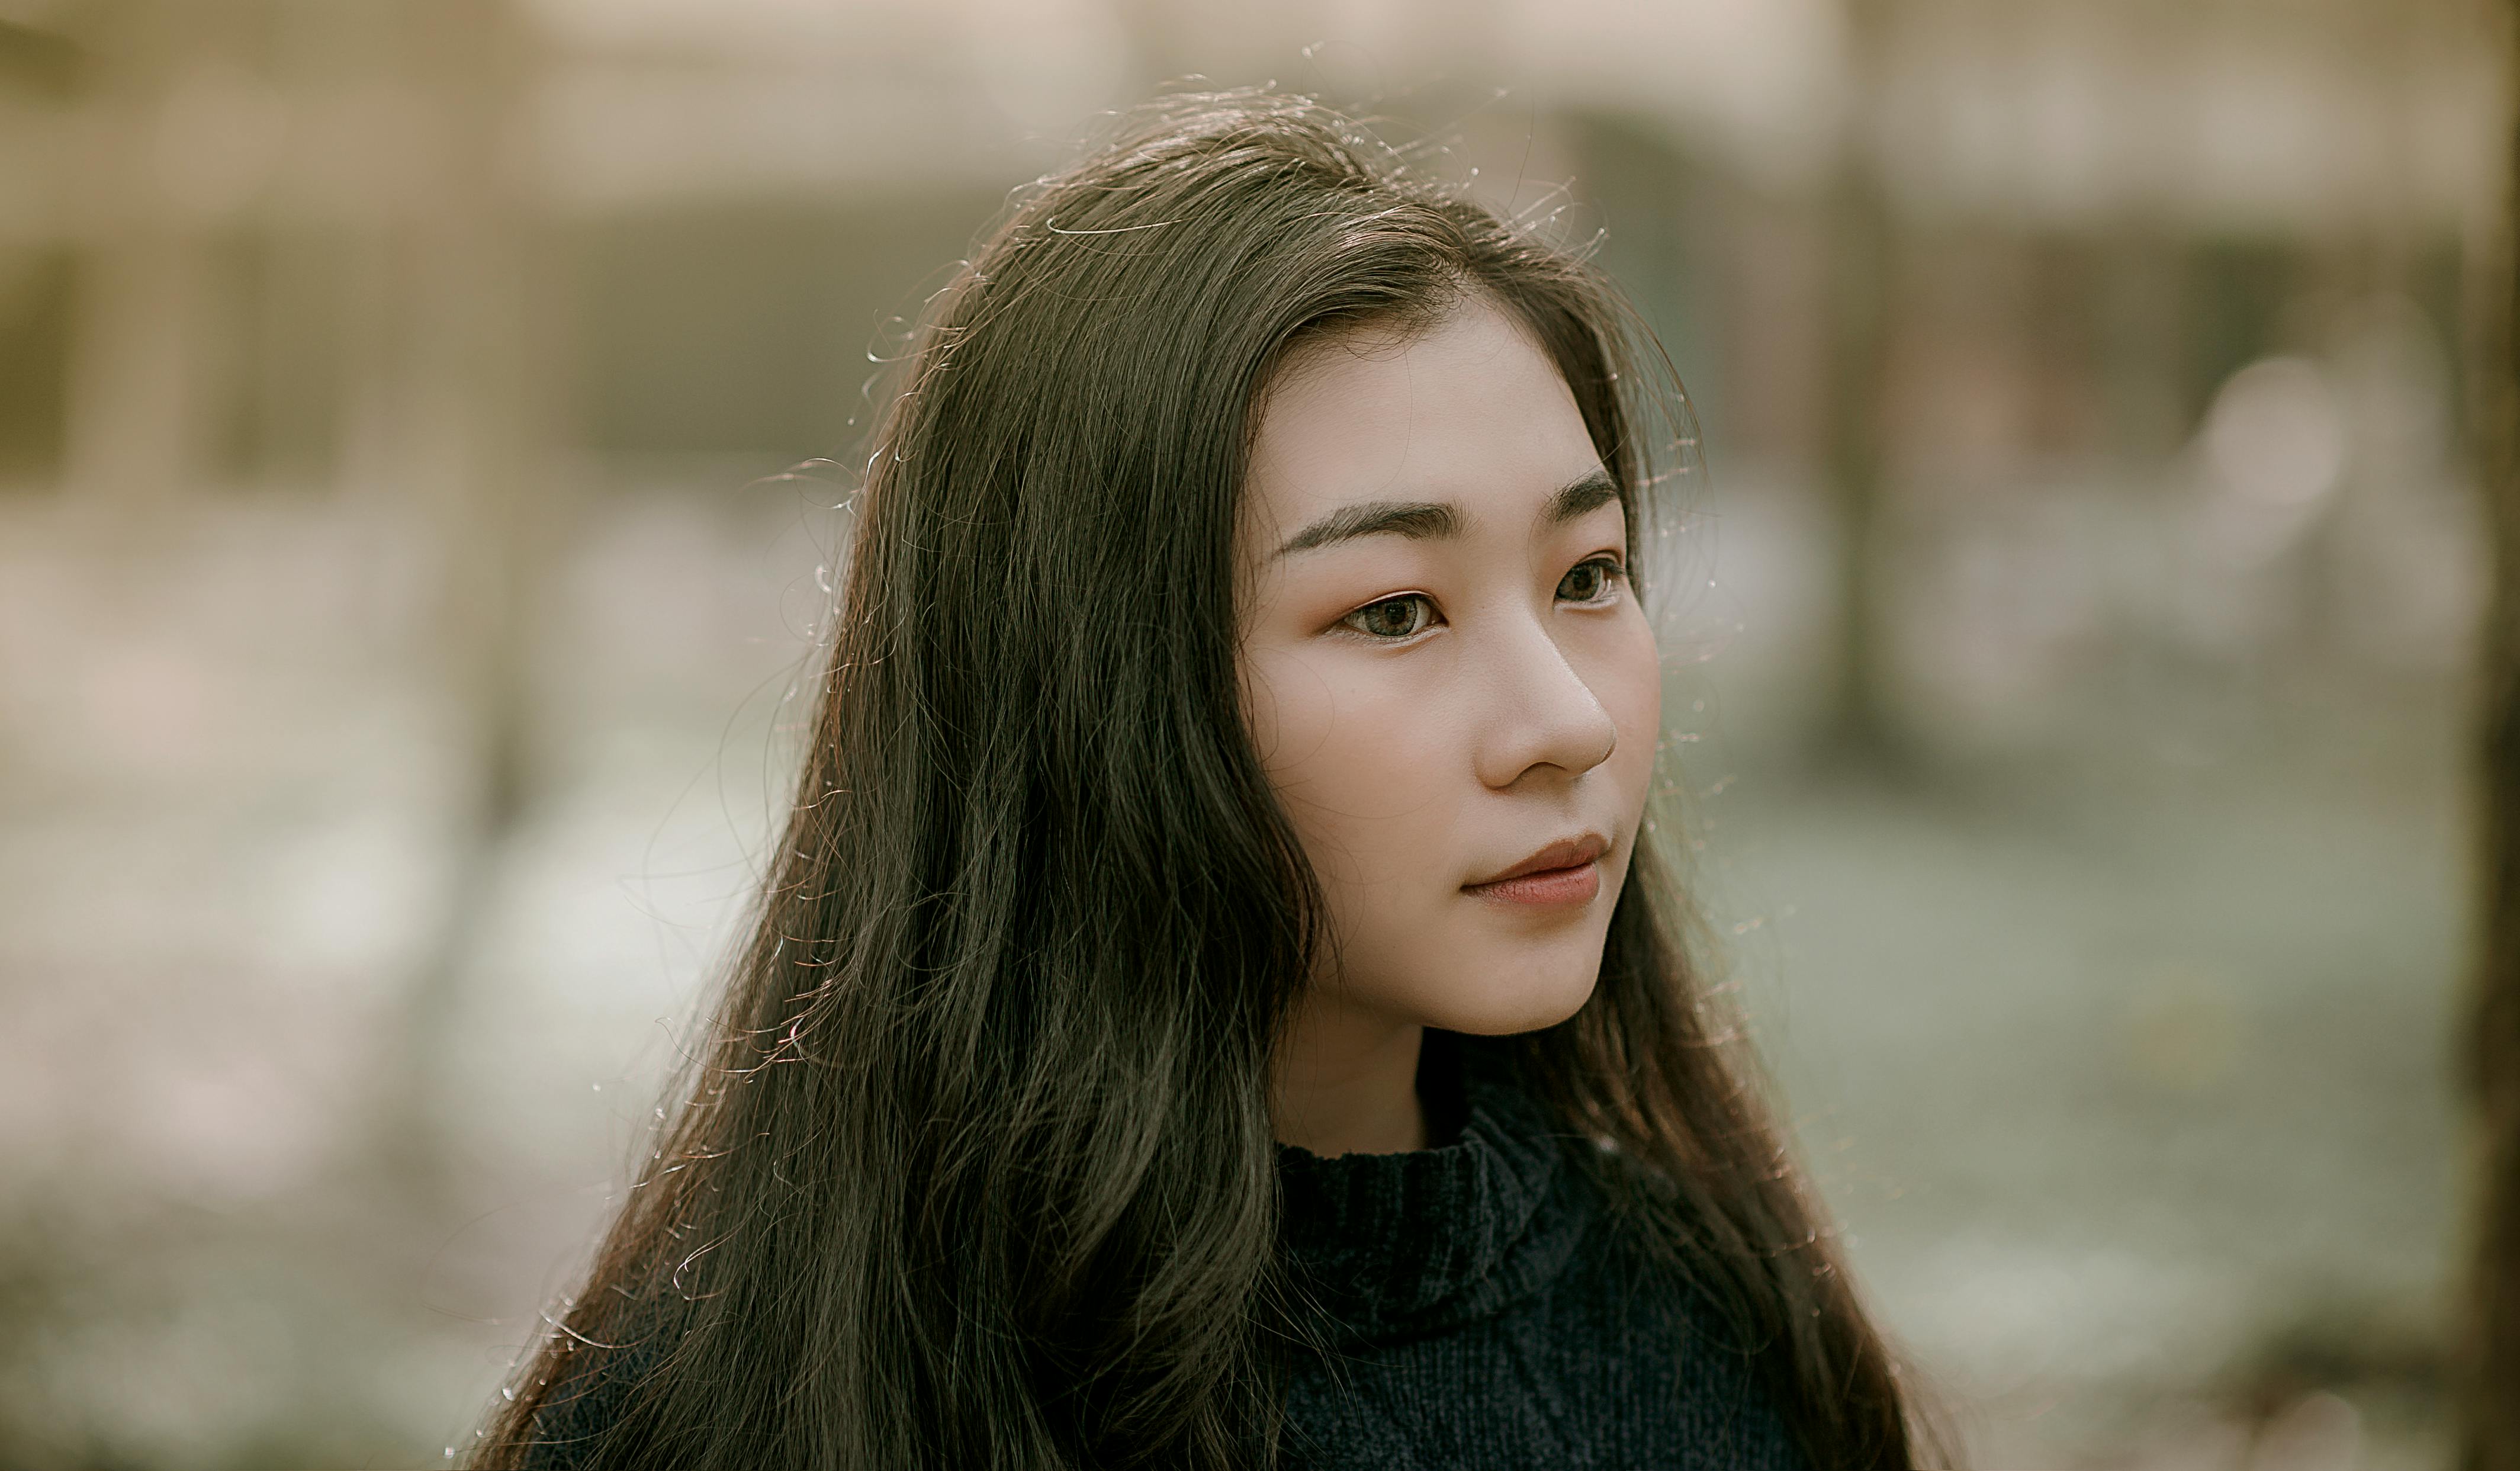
(1437, 520)
(1417, 520)
(1587, 492)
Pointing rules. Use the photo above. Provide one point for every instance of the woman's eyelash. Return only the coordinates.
(1418, 611)
(1349, 621)
(1613, 573)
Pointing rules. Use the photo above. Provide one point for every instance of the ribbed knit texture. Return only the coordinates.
(1480, 1310)
(1477, 1308)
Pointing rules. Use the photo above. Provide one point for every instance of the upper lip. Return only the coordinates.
(1565, 852)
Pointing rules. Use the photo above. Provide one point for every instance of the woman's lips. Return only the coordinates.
(1571, 875)
(1576, 885)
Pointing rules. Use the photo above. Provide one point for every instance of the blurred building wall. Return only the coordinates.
(764, 185)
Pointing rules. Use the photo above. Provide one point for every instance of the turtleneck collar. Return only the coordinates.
(1395, 1245)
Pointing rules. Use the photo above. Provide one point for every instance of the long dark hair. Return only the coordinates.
(975, 1168)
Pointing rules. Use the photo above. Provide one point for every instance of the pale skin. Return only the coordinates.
(1437, 699)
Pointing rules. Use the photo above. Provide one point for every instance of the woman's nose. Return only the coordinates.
(1539, 711)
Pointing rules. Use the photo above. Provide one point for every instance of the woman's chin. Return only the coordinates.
(1527, 1008)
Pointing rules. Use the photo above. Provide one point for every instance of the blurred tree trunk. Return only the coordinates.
(1859, 729)
(2490, 1353)
(142, 329)
(476, 437)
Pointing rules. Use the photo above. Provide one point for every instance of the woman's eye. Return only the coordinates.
(1591, 581)
(1391, 619)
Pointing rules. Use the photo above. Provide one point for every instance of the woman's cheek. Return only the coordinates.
(1366, 798)
(1285, 703)
(1628, 682)
(1388, 729)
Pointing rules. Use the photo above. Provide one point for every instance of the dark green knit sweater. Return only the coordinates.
(1484, 1312)
(1478, 1306)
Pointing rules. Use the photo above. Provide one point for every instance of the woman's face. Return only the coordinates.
(1445, 670)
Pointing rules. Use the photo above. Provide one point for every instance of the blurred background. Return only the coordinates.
(415, 517)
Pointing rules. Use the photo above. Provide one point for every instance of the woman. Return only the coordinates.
(1217, 1001)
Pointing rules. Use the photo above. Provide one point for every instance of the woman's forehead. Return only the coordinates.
(1467, 409)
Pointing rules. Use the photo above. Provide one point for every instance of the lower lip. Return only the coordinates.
(1550, 886)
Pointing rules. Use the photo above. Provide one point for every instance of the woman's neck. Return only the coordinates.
(1345, 1080)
